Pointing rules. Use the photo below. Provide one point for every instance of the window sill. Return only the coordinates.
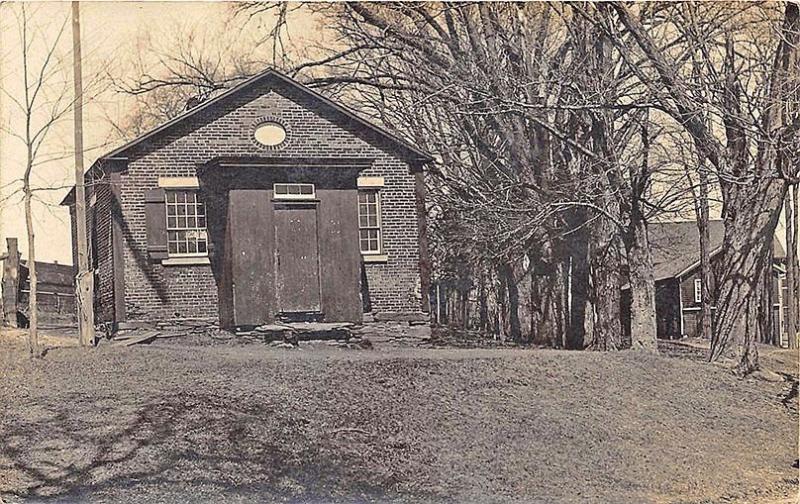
(375, 258)
(186, 261)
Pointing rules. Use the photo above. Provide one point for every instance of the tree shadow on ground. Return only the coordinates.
(82, 449)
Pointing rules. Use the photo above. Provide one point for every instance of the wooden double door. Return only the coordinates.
(290, 259)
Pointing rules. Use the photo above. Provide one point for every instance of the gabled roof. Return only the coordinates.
(408, 149)
(676, 246)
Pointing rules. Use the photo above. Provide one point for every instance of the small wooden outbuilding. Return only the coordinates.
(676, 259)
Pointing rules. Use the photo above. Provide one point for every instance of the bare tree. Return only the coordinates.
(756, 130)
(44, 100)
(700, 198)
(41, 107)
(792, 320)
(490, 93)
(794, 293)
(186, 65)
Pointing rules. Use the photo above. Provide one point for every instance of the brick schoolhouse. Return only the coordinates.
(268, 202)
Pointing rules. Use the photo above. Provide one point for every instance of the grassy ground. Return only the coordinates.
(177, 423)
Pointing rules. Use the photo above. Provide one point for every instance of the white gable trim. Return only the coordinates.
(696, 264)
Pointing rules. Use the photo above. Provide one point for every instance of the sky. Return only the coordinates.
(109, 29)
(112, 35)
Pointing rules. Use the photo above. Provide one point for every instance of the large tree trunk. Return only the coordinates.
(464, 308)
(579, 288)
(33, 317)
(605, 296)
(642, 287)
(515, 330)
(701, 211)
(794, 290)
(765, 295)
(745, 256)
(483, 309)
(790, 323)
(11, 284)
(549, 322)
(425, 264)
(549, 317)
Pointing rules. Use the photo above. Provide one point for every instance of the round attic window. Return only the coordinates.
(270, 134)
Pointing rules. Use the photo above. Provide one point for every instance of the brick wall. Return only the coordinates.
(155, 291)
(98, 227)
(101, 251)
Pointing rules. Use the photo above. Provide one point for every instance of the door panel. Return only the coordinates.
(340, 258)
(297, 259)
(250, 255)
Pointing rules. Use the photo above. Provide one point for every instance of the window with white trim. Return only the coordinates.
(369, 221)
(698, 290)
(187, 234)
(294, 191)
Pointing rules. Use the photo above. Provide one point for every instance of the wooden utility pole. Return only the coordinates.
(84, 288)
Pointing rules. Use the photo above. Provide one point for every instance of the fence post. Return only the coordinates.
(11, 284)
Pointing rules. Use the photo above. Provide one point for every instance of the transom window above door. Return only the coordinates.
(294, 191)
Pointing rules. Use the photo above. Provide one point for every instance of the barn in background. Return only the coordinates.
(676, 259)
(55, 290)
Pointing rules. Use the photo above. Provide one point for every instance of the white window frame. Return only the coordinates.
(698, 290)
(379, 220)
(297, 196)
(199, 229)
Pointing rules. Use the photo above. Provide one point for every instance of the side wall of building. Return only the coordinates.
(101, 253)
(691, 307)
(98, 228)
